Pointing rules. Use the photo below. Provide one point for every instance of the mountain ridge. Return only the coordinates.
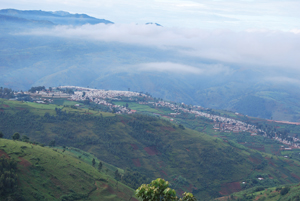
(56, 17)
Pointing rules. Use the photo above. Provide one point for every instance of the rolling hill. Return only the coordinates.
(149, 147)
(52, 174)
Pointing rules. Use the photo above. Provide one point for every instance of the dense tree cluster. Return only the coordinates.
(8, 177)
(22, 121)
(134, 179)
(34, 89)
(6, 93)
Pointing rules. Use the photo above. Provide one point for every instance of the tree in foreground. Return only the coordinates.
(158, 190)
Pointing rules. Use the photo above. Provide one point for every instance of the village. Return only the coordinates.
(100, 96)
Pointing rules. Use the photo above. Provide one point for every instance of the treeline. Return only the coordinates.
(6, 93)
(38, 88)
(22, 121)
(272, 132)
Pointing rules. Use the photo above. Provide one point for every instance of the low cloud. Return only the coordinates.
(255, 48)
(284, 80)
(201, 69)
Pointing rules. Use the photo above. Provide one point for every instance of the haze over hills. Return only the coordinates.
(37, 52)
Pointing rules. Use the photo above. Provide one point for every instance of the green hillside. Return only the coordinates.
(148, 147)
(50, 174)
(282, 193)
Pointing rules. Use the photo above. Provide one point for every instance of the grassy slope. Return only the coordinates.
(192, 161)
(266, 194)
(45, 174)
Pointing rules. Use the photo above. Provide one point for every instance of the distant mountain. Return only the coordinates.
(31, 59)
(55, 18)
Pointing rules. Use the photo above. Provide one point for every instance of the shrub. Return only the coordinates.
(284, 191)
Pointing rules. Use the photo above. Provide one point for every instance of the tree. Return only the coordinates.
(118, 176)
(16, 136)
(52, 143)
(1, 134)
(100, 166)
(158, 190)
(93, 162)
(181, 126)
(25, 138)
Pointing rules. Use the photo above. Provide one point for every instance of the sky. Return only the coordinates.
(214, 14)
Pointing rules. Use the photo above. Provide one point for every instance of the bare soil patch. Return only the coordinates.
(255, 160)
(229, 188)
(5, 105)
(24, 162)
(3, 153)
(151, 150)
(295, 176)
(163, 173)
(136, 162)
(134, 146)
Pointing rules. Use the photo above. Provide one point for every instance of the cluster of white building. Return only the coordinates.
(294, 144)
(100, 96)
(222, 123)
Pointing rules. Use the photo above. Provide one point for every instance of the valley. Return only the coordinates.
(147, 138)
(149, 101)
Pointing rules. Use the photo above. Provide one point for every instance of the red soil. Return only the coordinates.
(110, 189)
(286, 122)
(229, 188)
(136, 162)
(255, 160)
(163, 172)
(295, 176)
(1, 110)
(135, 147)
(24, 162)
(5, 105)
(151, 150)
(3, 153)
